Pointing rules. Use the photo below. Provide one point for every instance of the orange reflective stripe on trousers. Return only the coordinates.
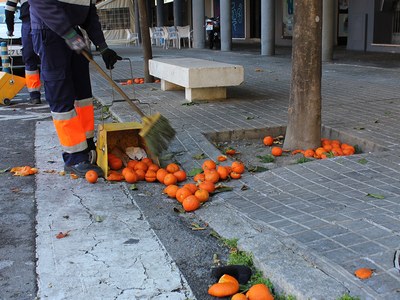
(32, 80)
(70, 131)
(84, 109)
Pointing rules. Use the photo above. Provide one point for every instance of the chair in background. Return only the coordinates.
(171, 37)
(132, 38)
(157, 36)
(184, 33)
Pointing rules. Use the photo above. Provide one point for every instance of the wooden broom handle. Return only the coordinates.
(112, 82)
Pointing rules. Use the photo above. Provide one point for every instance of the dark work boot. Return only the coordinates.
(35, 101)
(81, 168)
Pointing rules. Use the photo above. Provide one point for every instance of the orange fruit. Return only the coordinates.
(209, 164)
(207, 185)
(182, 193)
(140, 165)
(319, 151)
(170, 190)
(238, 167)
(199, 177)
(235, 175)
(172, 168)
(180, 175)
(223, 289)
(363, 273)
(131, 164)
(276, 151)
(191, 186)
(259, 292)
(140, 174)
(268, 140)
(130, 176)
(309, 153)
(170, 179)
(91, 176)
(150, 176)
(136, 80)
(115, 163)
(190, 203)
(327, 147)
(147, 160)
(239, 296)
(223, 172)
(211, 175)
(153, 167)
(126, 169)
(222, 158)
(202, 195)
(161, 173)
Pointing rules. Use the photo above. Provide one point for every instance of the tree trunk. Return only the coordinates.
(146, 43)
(304, 113)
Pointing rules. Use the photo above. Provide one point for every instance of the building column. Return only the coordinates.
(198, 12)
(178, 12)
(268, 27)
(226, 25)
(328, 29)
(160, 13)
(137, 23)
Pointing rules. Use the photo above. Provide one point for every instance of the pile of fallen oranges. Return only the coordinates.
(329, 148)
(191, 194)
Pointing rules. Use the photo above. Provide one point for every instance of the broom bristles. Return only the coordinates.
(157, 133)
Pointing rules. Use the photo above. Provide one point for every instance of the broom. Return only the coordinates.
(156, 131)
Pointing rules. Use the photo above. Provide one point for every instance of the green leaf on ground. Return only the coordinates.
(195, 171)
(133, 187)
(199, 156)
(377, 196)
(222, 188)
(4, 170)
(99, 219)
(266, 158)
(256, 169)
(363, 161)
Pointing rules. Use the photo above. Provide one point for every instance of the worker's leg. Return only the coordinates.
(84, 98)
(31, 61)
(57, 75)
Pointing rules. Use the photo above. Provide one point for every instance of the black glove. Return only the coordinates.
(10, 33)
(110, 57)
(75, 41)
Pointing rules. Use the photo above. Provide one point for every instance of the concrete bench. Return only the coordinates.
(201, 79)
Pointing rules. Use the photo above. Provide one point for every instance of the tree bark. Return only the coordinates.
(304, 113)
(146, 43)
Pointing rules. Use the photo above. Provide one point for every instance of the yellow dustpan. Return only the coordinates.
(10, 85)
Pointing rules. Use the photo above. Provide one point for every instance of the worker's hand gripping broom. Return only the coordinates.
(157, 131)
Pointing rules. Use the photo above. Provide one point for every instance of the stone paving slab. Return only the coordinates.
(111, 251)
(320, 208)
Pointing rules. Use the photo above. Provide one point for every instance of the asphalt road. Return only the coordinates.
(17, 205)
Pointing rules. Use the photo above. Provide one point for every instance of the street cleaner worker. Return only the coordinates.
(65, 74)
(31, 60)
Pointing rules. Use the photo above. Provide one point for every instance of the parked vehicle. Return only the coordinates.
(213, 32)
(14, 42)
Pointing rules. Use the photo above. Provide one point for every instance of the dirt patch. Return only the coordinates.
(256, 156)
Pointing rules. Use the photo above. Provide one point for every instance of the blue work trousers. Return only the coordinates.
(31, 59)
(66, 78)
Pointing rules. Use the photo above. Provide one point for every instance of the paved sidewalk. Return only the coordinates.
(110, 251)
(308, 225)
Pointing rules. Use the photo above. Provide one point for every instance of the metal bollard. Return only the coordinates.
(5, 58)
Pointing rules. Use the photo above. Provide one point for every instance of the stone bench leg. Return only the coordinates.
(169, 86)
(210, 93)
